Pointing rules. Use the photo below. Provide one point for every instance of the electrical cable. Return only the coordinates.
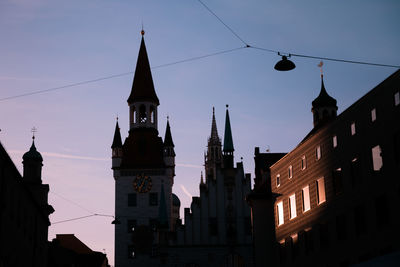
(119, 75)
(229, 28)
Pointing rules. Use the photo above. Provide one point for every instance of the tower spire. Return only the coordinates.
(214, 133)
(143, 86)
(168, 136)
(228, 141)
(117, 141)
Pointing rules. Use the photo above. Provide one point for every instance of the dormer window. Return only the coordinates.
(303, 163)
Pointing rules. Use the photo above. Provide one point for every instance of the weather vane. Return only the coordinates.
(33, 130)
(321, 63)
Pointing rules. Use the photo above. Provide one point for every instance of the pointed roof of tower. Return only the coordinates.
(162, 210)
(214, 132)
(228, 141)
(117, 142)
(168, 137)
(142, 86)
(323, 99)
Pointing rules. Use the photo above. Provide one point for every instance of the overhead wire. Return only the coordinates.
(120, 74)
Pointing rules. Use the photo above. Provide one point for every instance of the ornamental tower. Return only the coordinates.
(324, 107)
(213, 157)
(144, 170)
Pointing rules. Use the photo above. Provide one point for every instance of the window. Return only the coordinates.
(278, 180)
(377, 158)
(321, 190)
(306, 198)
(334, 141)
(290, 171)
(142, 114)
(132, 200)
(355, 172)
(397, 99)
(353, 128)
(373, 115)
(131, 252)
(153, 199)
(279, 210)
(303, 162)
(131, 225)
(318, 153)
(337, 181)
(292, 206)
(152, 114)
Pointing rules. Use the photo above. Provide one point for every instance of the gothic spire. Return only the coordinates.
(168, 137)
(117, 142)
(142, 86)
(228, 141)
(214, 133)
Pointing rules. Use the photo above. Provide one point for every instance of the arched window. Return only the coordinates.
(142, 114)
(152, 115)
(133, 114)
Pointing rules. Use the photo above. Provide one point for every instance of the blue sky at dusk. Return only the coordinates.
(46, 44)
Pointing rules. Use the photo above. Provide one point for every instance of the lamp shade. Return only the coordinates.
(284, 64)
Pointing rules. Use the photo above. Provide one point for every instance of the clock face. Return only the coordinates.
(142, 183)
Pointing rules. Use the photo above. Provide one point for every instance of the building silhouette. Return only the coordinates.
(334, 199)
(148, 229)
(24, 211)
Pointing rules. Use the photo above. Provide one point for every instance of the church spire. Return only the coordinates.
(214, 133)
(228, 141)
(143, 86)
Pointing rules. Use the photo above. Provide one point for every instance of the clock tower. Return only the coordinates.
(144, 169)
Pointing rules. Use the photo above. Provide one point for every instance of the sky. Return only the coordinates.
(46, 44)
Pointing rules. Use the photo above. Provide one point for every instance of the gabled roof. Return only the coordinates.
(142, 86)
(323, 99)
(228, 141)
(168, 137)
(117, 142)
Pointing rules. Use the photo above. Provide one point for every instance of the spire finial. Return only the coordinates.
(117, 118)
(227, 106)
(142, 31)
(33, 130)
(167, 117)
(321, 63)
(213, 110)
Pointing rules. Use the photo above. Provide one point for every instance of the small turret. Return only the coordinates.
(116, 147)
(169, 151)
(228, 142)
(324, 107)
(32, 161)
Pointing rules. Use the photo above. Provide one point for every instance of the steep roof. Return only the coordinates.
(228, 141)
(214, 138)
(323, 99)
(117, 142)
(142, 86)
(168, 137)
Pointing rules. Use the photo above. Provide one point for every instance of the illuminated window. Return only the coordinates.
(373, 115)
(131, 252)
(279, 210)
(303, 162)
(278, 180)
(318, 153)
(376, 158)
(397, 99)
(321, 190)
(290, 171)
(306, 198)
(334, 141)
(353, 128)
(292, 206)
